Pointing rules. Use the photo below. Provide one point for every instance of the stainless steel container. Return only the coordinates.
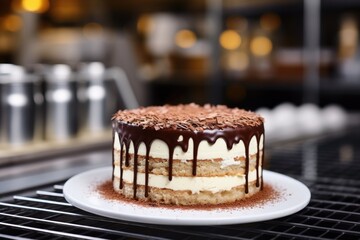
(102, 92)
(17, 106)
(93, 97)
(61, 103)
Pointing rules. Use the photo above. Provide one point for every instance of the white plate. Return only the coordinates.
(81, 192)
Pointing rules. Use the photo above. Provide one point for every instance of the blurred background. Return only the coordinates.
(68, 65)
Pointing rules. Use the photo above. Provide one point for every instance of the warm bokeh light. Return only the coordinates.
(230, 39)
(37, 6)
(12, 23)
(185, 38)
(348, 33)
(270, 21)
(238, 61)
(91, 29)
(348, 37)
(144, 24)
(261, 46)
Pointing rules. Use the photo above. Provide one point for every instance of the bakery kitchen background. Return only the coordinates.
(67, 66)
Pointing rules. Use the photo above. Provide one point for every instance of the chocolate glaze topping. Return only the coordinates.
(168, 123)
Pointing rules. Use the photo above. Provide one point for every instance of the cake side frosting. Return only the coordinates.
(184, 130)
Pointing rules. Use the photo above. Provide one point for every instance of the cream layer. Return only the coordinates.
(194, 184)
(159, 149)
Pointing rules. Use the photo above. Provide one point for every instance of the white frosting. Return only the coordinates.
(116, 144)
(194, 184)
(159, 149)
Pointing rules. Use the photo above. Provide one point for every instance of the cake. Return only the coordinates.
(187, 154)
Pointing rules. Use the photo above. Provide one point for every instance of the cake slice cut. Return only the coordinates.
(187, 154)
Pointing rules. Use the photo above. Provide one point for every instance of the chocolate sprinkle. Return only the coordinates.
(189, 117)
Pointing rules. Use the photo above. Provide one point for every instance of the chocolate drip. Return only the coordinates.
(171, 153)
(180, 138)
(127, 154)
(195, 152)
(121, 164)
(247, 160)
(262, 162)
(147, 171)
(135, 169)
(257, 161)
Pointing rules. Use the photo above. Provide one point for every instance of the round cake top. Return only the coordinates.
(189, 117)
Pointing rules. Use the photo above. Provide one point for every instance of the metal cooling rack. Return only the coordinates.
(330, 167)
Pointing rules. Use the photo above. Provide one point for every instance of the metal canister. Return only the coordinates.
(93, 96)
(17, 106)
(61, 103)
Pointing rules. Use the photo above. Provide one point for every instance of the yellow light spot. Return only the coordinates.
(144, 24)
(270, 21)
(348, 33)
(12, 23)
(230, 39)
(348, 38)
(37, 6)
(185, 38)
(238, 61)
(261, 46)
(91, 29)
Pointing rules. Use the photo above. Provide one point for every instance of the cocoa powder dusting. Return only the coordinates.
(188, 117)
(268, 195)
